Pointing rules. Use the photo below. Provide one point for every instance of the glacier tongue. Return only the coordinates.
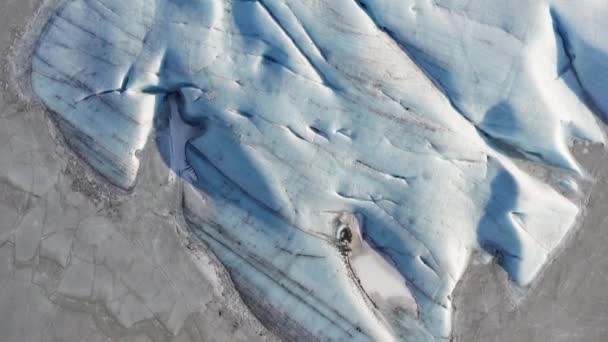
(408, 120)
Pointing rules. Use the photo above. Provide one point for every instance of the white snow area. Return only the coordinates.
(412, 118)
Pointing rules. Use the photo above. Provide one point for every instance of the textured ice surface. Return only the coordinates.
(405, 122)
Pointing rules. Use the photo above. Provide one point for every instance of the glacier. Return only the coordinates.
(343, 159)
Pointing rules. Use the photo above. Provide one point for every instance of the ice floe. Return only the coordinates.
(349, 155)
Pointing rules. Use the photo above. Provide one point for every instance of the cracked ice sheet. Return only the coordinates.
(408, 114)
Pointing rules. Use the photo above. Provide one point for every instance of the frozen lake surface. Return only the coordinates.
(343, 159)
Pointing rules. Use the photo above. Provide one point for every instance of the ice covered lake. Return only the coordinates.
(343, 159)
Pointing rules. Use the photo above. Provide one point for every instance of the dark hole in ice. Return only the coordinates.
(345, 235)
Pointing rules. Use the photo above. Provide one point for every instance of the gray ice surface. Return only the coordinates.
(81, 260)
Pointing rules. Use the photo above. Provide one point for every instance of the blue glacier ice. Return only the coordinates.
(346, 156)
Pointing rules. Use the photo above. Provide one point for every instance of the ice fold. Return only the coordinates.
(409, 115)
